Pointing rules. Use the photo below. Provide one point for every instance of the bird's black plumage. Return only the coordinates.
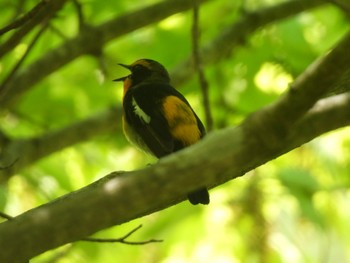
(157, 118)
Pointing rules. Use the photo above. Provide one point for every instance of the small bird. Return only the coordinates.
(156, 117)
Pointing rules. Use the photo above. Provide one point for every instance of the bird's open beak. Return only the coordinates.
(124, 66)
(120, 79)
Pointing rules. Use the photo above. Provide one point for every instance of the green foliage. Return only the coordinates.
(293, 209)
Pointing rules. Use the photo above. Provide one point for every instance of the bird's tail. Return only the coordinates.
(200, 196)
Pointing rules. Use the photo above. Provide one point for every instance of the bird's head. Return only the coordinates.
(145, 70)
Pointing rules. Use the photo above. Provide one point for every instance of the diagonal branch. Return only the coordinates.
(87, 42)
(6, 216)
(307, 89)
(323, 117)
(24, 18)
(121, 197)
(45, 10)
(23, 152)
(8, 78)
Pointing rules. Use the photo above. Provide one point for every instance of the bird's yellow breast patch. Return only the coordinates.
(181, 120)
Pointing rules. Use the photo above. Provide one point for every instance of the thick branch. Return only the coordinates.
(313, 84)
(325, 116)
(27, 151)
(121, 197)
(87, 42)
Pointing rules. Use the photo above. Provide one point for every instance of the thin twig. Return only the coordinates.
(122, 239)
(43, 15)
(3, 89)
(25, 18)
(6, 216)
(80, 14)
(10, 165)
(59, 32)
(198, 66)
(20, 9)
(83, 25)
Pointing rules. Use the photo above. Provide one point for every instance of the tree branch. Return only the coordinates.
(24, 18)
(87, 42)
(6, 216)
(27, 151)
(121, 197)
(197, 61)
(235, 35)
(40, 14)
(307, 89)
(325, 116)
(122, 239)
(80, 15)
(8, 78)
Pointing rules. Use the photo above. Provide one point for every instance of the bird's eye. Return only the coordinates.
(140, 73)
(138, 67)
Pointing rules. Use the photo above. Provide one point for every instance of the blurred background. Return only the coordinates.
(292, 209)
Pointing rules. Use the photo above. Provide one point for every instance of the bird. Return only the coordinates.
(157, 118)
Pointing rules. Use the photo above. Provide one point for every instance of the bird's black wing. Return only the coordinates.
(143, 104)
(154, 106)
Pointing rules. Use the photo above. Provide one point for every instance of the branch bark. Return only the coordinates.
(23, 152)
(308, 88)
(44, 10)
(123, 196)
